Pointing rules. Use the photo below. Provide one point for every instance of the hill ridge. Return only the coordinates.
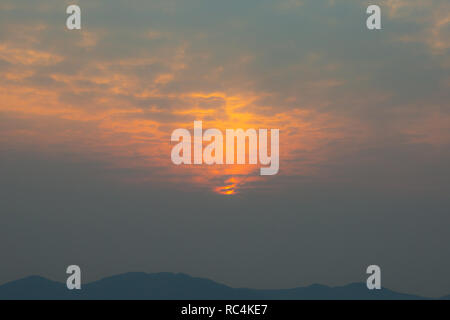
(181, 286)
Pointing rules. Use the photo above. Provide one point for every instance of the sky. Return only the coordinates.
(364, 116)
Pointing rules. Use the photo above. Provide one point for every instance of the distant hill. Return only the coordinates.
(171, 286)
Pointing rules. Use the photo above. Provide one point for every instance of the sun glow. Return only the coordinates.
(226, 190)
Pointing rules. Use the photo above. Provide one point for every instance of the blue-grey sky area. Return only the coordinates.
(364, 117)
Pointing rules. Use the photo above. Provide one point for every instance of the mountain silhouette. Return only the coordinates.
(171, 286)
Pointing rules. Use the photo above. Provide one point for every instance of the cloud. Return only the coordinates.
(320, 88)
(28, 56)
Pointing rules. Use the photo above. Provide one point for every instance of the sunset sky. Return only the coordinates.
(364, 116)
